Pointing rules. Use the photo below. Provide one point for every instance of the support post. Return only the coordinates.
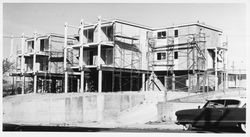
(131, 81)
(120, 80)
(13, 80)
(153, 79)
(226, 68)
(81, 57)
(99, 56)
(224, 81)
(215, 70)
(22, 60)
(198, 83)
(11, 48)
(204, 82)
(65, 59)
(207, 82)
(166, 87)
(173, 82)
(143, 81)
(34, 64)
(82, 81)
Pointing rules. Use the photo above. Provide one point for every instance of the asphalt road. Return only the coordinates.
(27, 128)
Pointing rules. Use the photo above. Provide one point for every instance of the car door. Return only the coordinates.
(232, 114)
(212, 112)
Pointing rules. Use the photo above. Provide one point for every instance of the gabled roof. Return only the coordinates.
(191, 24)
(160, 28)
(48, 35)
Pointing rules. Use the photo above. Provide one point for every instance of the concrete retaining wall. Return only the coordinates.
(166, 110)
(68, 108)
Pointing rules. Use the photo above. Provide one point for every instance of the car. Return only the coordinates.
(222, 112)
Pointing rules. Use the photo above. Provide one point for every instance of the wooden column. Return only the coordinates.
(22, 60)
(166, 87)
(215, 70)
(204, 81)
(143, 81)
(82, 70)
(173, 82)
(99, 56)
(81, 57)
(34, 64)
(65, 59)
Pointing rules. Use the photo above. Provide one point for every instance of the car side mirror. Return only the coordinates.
(199, 107)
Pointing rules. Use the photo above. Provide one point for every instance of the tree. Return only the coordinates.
(7, 65)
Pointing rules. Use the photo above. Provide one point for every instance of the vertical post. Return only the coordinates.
(65, 58)
(194, 62)
(131, 81)
(207, 81)
(13, 84)
(153, 69)
(224, 81)
(120, 80)
(143, 81)
(215, 70)
(82, 70)
(23, 85)
(22, 60)
(166, 87)
(99, 56)
(153, 79)
(204, 81)
(81, 57)
(198, 83)
(78, 85)
(206, 66)
(226, 69)
(34, 63)
(11, 48)
(173, 82)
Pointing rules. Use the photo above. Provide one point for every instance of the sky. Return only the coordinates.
(45, 18)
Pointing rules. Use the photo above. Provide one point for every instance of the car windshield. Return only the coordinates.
(215, 104)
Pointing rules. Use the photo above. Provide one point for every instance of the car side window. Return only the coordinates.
(215, 104)
(232, 103)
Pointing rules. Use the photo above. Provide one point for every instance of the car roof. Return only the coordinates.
(241, 99)
(228, 98)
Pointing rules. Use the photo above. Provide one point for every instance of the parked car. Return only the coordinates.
(215, 113)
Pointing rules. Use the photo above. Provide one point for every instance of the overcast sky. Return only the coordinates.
(45, 18)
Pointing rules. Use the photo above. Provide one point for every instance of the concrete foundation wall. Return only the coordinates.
(67, 108)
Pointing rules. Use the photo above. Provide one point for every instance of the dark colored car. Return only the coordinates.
(215, 113)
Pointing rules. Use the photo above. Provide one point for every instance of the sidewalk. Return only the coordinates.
(150, 126)
(157, 126)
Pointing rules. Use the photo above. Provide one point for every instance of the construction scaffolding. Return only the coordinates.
(113, 55)
(196, 71)
(39, 64)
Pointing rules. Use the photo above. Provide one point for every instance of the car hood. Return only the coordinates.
(185, 112)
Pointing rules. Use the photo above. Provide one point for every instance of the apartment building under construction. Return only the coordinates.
(116, 55)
